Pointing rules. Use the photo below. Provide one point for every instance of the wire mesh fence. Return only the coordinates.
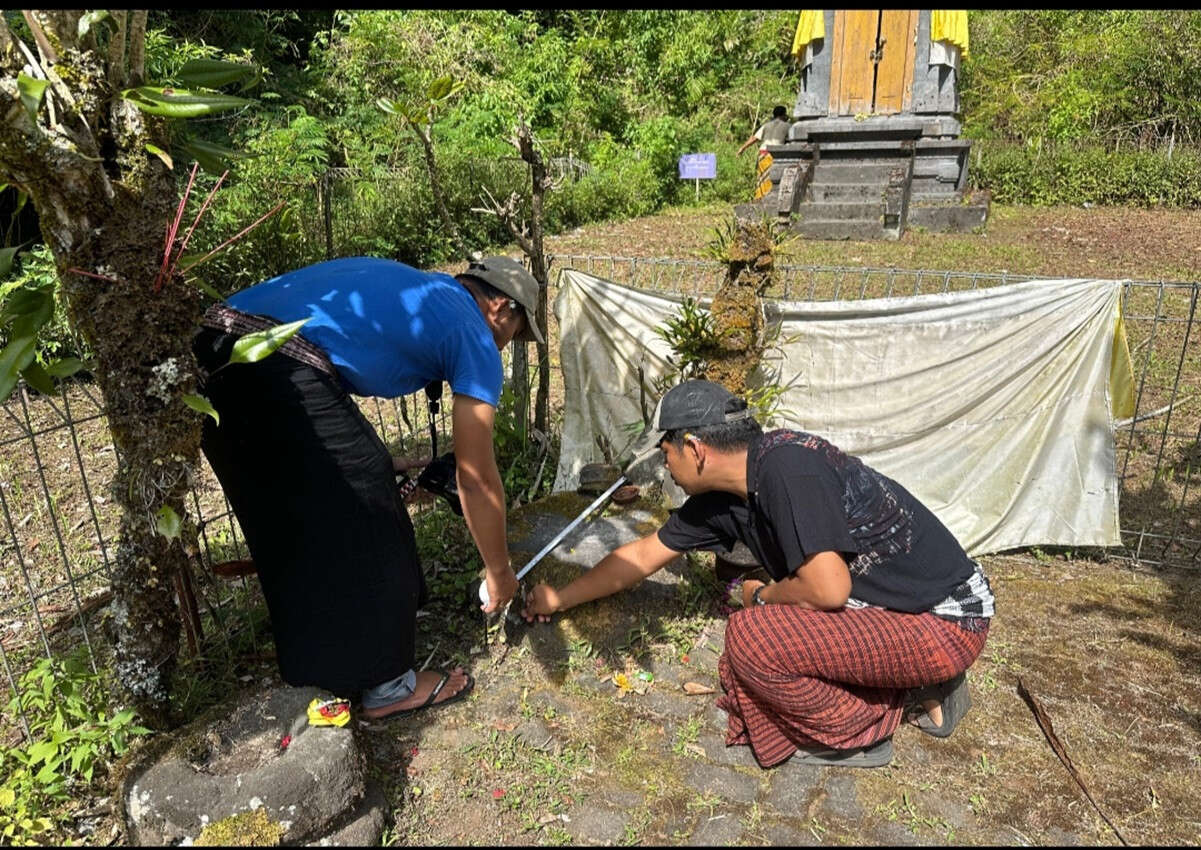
(59, 524)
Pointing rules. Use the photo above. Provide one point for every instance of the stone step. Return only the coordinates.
(945, 169)
(876, 171)
(948, 217)
(839, 211)
(948, 197)
(859, 230)
(846, 192)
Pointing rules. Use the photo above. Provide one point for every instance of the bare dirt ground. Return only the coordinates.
(547, 751)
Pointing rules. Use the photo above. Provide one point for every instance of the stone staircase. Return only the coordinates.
(859, 187)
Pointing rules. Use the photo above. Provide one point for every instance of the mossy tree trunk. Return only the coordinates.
(103, 203)
(737, 308)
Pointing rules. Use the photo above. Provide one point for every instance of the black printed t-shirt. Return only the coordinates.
(807, 496)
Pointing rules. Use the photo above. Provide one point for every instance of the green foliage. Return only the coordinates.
(618, 191)
(286, 158)
(253, 347)
(36, 340)
(167, 522)
(181, 103)
(627, 92)
(1084, 74)
(166, 54)
(520, 458)
(73, 735)
(1075, 174)
(692, 339)
(32, 93)
(449, 559)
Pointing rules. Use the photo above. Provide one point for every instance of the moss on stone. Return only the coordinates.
(247, 829)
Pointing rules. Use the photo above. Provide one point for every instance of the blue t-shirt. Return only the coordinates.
(388, 328)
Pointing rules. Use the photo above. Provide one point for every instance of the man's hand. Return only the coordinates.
(542, 601)
(748, 590)
(500, 589)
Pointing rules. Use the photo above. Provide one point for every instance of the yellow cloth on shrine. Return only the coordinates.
(811, 26)
(762, 170)
(946, 26)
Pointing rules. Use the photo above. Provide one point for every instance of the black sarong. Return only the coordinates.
(313, 489)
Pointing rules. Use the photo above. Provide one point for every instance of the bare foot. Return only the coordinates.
(934, 710)
(427, 680)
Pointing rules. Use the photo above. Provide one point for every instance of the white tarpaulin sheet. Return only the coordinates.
(991, 405)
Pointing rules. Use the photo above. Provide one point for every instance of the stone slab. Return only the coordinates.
(723, 782)
(588, 542)
(954, 217)
(364, 826)
(663, 704)
(714, 744)
(840, 230)
(235, 764)
(594, 824)
(720, 830)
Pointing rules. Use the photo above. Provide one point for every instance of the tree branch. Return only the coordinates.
(64, 24)
(431, 165)
(507, 213)
(116, 49)
(539, 267)
(137, 47)
(39, 36)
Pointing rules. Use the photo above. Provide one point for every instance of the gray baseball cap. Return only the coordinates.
(511, 278)
(692, 404)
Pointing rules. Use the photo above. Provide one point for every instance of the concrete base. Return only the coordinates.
(950, 216)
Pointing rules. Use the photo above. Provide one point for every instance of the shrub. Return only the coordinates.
(625, 189)
(73, 738)
(1075, 174)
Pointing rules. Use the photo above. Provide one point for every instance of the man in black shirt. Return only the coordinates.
(874, 611)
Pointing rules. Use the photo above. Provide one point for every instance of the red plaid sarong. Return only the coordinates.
(797, 678)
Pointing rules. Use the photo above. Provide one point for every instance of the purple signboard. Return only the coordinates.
(698, 166)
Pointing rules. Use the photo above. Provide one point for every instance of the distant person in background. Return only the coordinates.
(774, 132)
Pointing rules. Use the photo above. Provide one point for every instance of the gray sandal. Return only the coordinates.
(877, 755)
(955, 699)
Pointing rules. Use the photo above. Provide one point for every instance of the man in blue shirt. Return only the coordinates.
(313, 485)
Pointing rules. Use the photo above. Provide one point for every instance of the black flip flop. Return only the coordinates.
(876, 755)
(429, 701)
(955, 699)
